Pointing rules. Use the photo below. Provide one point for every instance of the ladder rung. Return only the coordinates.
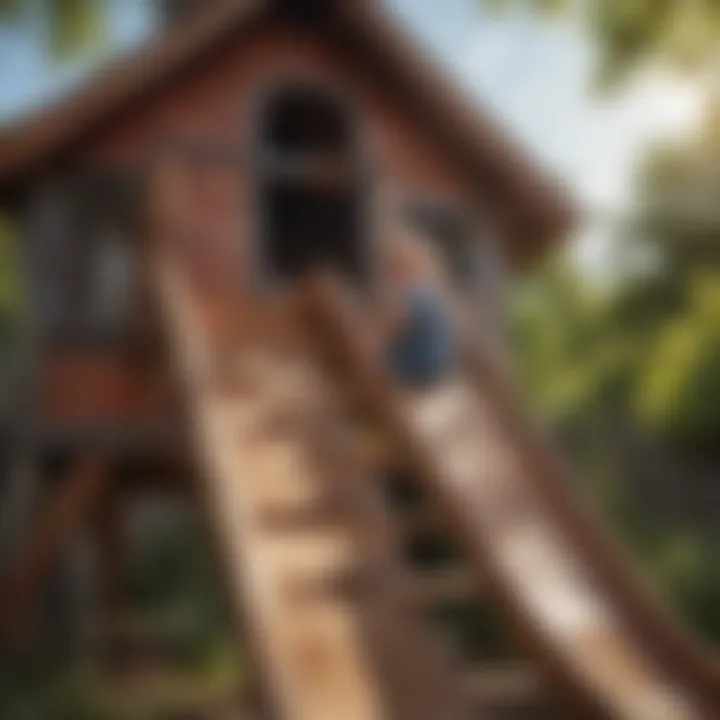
(326, 513)
(163, 694)
(416, 521)
(144, 625)
(373, 450)
(147, 636)
(447, 585)
(503, 686)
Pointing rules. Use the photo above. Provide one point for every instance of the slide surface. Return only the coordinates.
(604, 643)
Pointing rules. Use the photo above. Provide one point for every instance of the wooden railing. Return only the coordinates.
(74, 501)
(642, 609)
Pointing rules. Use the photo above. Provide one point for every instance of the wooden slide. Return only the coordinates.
(601, 639)
(304, 545)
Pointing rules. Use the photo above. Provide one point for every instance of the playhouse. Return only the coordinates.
(171, 207)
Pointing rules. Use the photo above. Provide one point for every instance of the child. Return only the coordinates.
(420, 343)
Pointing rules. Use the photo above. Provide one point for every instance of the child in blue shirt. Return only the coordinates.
(421, 344)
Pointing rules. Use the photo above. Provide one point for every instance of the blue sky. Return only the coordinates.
(532, 74)
(535, 76)
(28, 77)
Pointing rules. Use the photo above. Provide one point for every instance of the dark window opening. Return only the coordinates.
(302, 121)
(309, 209)
(86, 270)
(106, 283)
(309, 227)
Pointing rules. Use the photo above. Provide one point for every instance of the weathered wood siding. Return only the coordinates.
(214, 106)
(217, 104)
(101, 387)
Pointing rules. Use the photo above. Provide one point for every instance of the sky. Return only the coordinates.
(532, 74)
(28, 77)
(536, 74)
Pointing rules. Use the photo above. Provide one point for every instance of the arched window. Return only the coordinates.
(308, 184)
(303, 120)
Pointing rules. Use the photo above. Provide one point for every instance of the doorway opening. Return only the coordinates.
(309, 189)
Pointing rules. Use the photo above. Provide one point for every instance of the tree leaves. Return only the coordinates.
(75, 25)
(71, 27)
(11, 295)
(684, 34)
(546, 7)
(679, 390)
(10, 9)
(646, 346)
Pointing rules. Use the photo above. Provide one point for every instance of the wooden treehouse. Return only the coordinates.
(201, 237)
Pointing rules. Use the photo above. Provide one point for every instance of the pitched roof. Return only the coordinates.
(544, 208)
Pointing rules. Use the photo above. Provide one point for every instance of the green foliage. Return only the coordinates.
(683, 563)
(678, 393)
(76, 25)
(576, 354)
(643, 349)
(549, 7)
(11, 297)
(639, 355)
(10, 9)
(171, 574)
(70, 26)
(645, 346)
(682, 34)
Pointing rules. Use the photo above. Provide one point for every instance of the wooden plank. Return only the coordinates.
(532, 558)
(154, 693)
(669, 640)
(75, 499)
(438, 587)
(110, 541)
(511, 691)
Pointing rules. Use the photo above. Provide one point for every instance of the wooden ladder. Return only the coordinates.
(305, 543)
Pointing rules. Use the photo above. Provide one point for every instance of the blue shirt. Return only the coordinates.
(423, 350)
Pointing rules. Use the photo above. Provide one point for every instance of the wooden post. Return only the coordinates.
(75, 499)
(19, 494)
(111, 556)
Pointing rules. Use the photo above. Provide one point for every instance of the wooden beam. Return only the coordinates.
(73, 502)
(108, 530)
